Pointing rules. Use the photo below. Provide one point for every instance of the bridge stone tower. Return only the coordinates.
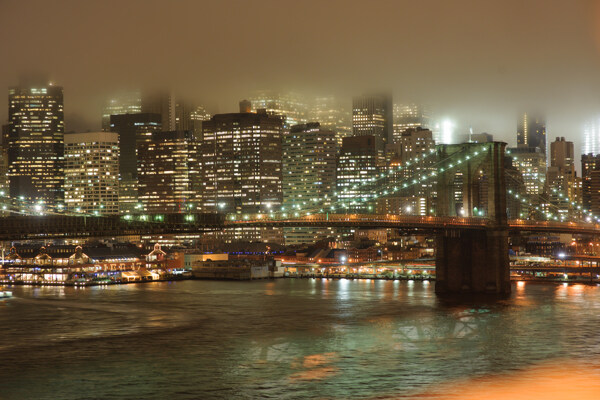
(473, 260)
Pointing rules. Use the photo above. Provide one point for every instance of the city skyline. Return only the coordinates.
(464, 66)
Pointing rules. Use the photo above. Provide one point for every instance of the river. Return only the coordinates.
(292, 339)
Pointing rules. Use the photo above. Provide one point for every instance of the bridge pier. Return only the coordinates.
(472, 262)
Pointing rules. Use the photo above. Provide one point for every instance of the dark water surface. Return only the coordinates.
(284, 339)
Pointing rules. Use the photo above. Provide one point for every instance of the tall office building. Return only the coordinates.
(168, 172)
(309, 163)
(531, 131)
(589, 164)
(36, 142)
(133, 129)
(531, 162)
(122, 103)
(241, 168)
(591, 137)
(198, 116)
(561, 181)
(92, 172)
(409, 116)
(289, 106)
(372, 115)
(332, 115)
(360, 159)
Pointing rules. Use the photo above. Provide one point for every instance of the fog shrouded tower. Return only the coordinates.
(372, 115)
(531, 131)
(36, 141)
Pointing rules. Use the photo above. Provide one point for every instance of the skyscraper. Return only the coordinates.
(36, 141)
(409, 116)
(289, 106)
(332, 115)
(122, 103)
(133, 129)
(531, 131)
(168, 172)
(372, 115)
(92, 172)
(360, 159)
(589, 164)
(162, 103)
(309, 163)
(241, 165)
(562, 186)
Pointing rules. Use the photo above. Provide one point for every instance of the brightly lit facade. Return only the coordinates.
(35, 142)
(531, 162)
(133, 129)
(92, 173)
(332, 115)
(168, 173)
(309, 164)
(591, 137)
(122, 103)
(372, 115)
(409, 116)
(359, 162)
(290, 107)
(590, 163)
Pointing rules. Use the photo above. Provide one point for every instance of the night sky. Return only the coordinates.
(477, 62)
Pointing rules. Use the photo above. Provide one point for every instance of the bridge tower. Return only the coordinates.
(473, 260)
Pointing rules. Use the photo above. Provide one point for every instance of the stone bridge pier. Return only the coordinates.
(473, 261)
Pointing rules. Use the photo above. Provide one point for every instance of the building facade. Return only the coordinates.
(92, 173)
(309, 165)
(169, 173)
(36, 142)
(407, 116)
(133, 129)
(531, 131)
(372, 115)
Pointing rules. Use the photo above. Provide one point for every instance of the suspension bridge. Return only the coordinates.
(468, 215)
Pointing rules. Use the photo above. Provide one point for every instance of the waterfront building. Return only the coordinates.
(133, 129)
(360, 159)
(122, 103)
(409, 116)
(92, 172)
(309, 165)
(241, 165)
(372, 115)
(531, 131)
(290, 107)
(197, 117)
(168, 173)
(36, 142)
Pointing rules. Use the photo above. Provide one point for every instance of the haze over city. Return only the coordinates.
(477, 63)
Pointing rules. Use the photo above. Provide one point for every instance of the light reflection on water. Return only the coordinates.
(301, 338)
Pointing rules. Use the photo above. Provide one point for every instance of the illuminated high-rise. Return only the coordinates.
(360, 159)
(531, 162)
(36, 142)
(92, 172)
(372, 115)
(241, 166)
(590, 165)
(531, 131)
(122, 103)
(332, 115)
(407, 116)
(168, 172)
(133, 129)
(289, 106)
(309, 163)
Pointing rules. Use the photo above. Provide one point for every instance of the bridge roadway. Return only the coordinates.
(63, 226)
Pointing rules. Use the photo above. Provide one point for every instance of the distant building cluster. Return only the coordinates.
(159, 154)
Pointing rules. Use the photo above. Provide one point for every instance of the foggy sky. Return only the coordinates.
(477, 62)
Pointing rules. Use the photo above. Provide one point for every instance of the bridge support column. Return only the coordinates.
(473, 262)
